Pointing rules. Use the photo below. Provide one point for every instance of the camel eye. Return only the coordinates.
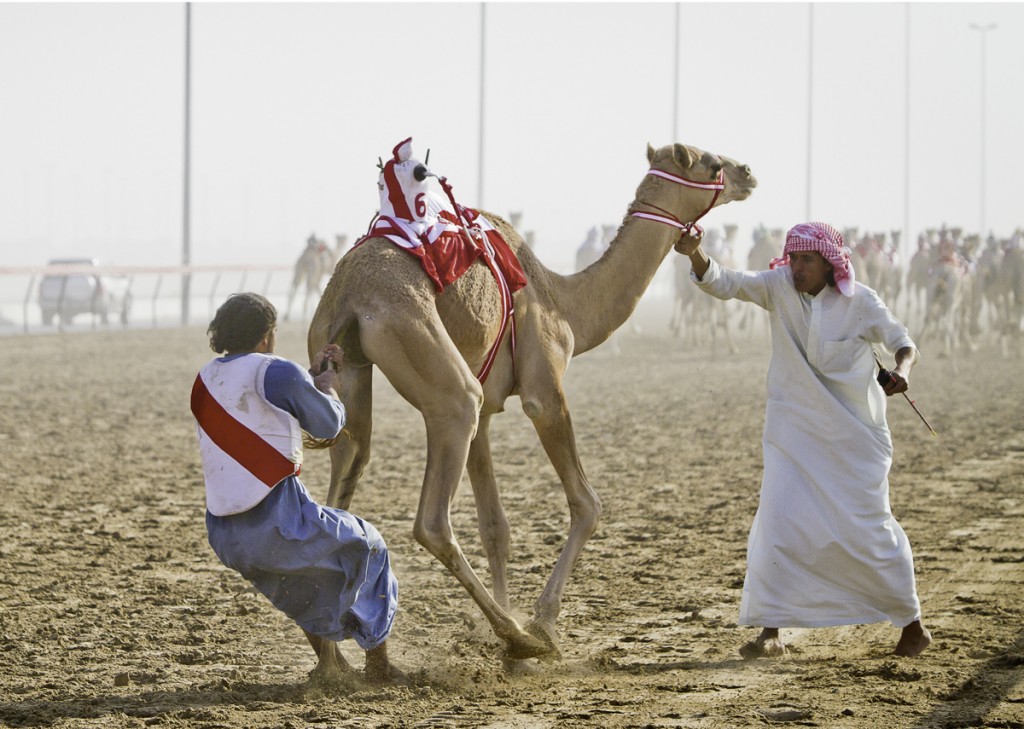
(716, 168)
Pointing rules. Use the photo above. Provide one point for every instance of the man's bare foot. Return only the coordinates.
(913, 640)
(380, 671)
(766, 645)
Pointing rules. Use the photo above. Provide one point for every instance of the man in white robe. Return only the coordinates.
(824, 548)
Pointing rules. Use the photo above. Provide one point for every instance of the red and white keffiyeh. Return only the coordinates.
(827, 241)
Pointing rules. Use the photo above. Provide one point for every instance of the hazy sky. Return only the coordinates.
(292, 104)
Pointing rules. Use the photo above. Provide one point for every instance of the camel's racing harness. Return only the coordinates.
(446, 238)
(668, 218)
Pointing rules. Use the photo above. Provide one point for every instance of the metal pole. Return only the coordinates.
(186, 254)
(905, 253)
(480, 153)
(981, 205)
(675, 84)
(810, 100)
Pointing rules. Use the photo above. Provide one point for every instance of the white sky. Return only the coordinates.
(292, 104)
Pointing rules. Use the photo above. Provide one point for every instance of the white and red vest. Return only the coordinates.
(247, 444)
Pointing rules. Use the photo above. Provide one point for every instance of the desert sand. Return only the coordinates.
(114, 612)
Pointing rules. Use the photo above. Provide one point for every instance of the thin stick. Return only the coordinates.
(907, 398)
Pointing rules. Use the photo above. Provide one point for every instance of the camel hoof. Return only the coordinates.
(546, 633)
(526, 646)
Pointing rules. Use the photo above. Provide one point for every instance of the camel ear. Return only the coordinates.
(650, 152)
(681, 154)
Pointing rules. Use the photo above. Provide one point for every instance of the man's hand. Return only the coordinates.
(325, 378)
(689, 242)
(323, 358)
(893, 382)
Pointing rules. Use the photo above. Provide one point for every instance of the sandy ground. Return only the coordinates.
(114, 612)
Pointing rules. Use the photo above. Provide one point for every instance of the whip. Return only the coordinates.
(883, 377)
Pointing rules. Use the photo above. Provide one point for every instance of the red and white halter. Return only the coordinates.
(668, 218)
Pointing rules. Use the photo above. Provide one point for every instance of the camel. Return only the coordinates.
(946, 315)
(341, 247)
(877, 265)
(768, 244)
(720, 310)
(383, 310)
(590, 250)
(1012, 275)
(315, 262)
(1000, 284)
(921, 265)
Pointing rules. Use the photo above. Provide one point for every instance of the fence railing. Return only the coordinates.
(36, 273)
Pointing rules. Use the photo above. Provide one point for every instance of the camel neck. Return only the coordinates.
(599, 299)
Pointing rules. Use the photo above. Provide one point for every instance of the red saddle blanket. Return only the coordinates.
(445, 251)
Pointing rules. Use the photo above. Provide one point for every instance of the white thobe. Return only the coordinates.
(824, 548)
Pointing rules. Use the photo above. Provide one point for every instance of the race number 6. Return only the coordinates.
(421, 205)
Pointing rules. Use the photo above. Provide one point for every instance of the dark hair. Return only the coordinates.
(241, 323)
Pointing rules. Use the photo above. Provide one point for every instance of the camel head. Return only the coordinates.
(698, 166)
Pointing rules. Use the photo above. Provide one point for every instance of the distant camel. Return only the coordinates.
(879, 265)
(919, 270)
(767, 245)
(383, 310)
(719, 311)
(946, 316)
(1000, 282)
(703, 316)
(341, 247)
(314, 264)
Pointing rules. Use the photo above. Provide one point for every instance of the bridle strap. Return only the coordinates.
(668, 218)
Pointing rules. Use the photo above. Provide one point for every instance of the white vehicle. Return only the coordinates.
(83, 293)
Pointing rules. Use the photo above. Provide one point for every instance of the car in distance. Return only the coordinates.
(67, 296)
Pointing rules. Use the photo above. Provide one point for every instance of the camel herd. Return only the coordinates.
(954, 293)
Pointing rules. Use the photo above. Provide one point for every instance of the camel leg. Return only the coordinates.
(428, 371)
(550, 415)
(494, 528)
(727, 327)
(351, 453)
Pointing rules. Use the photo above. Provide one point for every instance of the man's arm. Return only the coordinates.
(313, 402)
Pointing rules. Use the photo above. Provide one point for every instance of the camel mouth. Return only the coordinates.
(745, 192)
(742, 188)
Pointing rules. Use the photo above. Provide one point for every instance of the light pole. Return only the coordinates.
(810, 101)
(983, 29)
(480, 151)
(905, 247)
(186, 245)
(675, 83)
